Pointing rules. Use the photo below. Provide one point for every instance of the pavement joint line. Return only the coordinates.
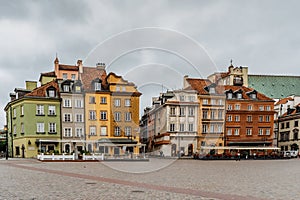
(171, 189)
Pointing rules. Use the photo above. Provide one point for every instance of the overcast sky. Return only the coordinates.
(263, 35)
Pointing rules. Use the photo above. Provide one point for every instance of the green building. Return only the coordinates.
(33, 120)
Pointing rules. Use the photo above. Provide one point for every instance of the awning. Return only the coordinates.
(240, 148)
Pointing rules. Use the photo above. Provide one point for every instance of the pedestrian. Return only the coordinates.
(239, 156)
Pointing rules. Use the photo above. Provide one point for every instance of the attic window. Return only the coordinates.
(239, 95)
(253, 96)
(51, 92)
(66, 88)
(229, 95)
(212, 90)
(97, 86)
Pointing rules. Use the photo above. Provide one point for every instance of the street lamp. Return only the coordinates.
(6, 141)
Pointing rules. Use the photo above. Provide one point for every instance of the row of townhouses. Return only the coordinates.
(75, 108)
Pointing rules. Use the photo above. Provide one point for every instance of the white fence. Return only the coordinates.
(69, 157)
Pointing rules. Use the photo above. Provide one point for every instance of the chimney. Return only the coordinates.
(31, 85)
(185, 83)
(79, 63)
(56, 66)
(12, 96)
(100, 66)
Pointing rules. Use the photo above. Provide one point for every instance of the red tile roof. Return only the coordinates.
(198, 84)
(68, 67)
(42, 90)
(284, 100)
(246, 90)
(91, 73)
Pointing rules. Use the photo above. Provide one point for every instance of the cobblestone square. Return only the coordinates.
(156, 179)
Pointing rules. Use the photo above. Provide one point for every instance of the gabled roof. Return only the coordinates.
(91, 73)
(284, 101)
(42, 90)
(245, 91)
(198, 84)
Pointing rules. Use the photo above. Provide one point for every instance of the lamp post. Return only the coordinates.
(6, 142)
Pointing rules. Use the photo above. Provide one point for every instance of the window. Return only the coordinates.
(261, 118)
(220, 102)
(103, 130)
(229, 131)
(191, 98)
(15, 129)
(249, 118)
(191, 111)
(172, 127)
(239, 95)
(67, 117)
(92, 100)
(220, 128)
(205, 101)
(92, 115)
(212, 114)
(128, 116)
(229, 95)
(79, 118)
(213, 102)
(268, 132)
(22, 128)
(212, 90)
(73, 76)
(22, 110)
(77, 89)
(117, 102)
(260, 131)
(204, 128)
(249, 107)
(67, 132)
(237, 118)
(117, 88)
(205, 114)
(67, 103)
(229, 118)
(117, 131)
(261, 108)
(40, 109)
(181, 98)
(212, 128)
(249, 131)
(66, 88)
(103, 100)
(296, 124)
(123, 88)
(267, 118)
(182, 111)
(181, 127)
(51, 110)
(236, 131)
(65, 75)
(220, 114)
(237, 107)
(282, 126)
(40, 127)
(92, 130)
(253, 96)
(127, 102)
(127, 131)
(191, 127)
(117, 116)
(78, 103)
(268, 108)
(97, 86)
(51, 93)
(172, 110)
(103, 115)
(229, 107)
(79, 132)
(52, 127)
(287, 124)
(14, 113)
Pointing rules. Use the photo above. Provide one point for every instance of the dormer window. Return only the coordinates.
(212, 90)
(77, 89)
(239, 95)
(51, 92)
(229, 95)
(97, 86)
(66, 88)
(253, 96)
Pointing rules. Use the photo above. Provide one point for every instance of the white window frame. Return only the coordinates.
(40, 127)
(127, 131)
(67, 117)
(103, 130)
(51, 110)
(117, 116)
(93, 131)
(67, 132)
(40, 109)
(127, 116)
(127, 102)
(52, 127)
(92, 115)
(103, 115)
(67, 103)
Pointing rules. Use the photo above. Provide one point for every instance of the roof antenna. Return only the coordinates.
(231, 62)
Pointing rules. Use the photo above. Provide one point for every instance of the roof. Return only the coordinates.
(91, 73)
(275, 86)
(68, 67)
(198, 84)
(284, 100)
(42, 90)
(246, 90)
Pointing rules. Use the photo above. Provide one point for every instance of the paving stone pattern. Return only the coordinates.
(180, 179)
